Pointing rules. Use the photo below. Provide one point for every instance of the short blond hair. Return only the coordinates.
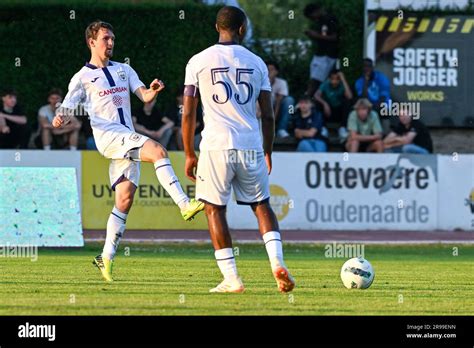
(364, 102)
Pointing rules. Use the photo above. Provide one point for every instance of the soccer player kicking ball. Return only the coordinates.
(104, 87)
(230, 79)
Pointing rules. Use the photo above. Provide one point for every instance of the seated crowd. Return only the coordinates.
(353, 114)
(16, 133)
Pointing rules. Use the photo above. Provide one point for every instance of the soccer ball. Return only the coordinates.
(357, 273)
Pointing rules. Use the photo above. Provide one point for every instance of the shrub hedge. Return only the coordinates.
(43, 46)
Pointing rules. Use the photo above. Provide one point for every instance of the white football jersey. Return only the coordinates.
(229, 78)
(105, 95)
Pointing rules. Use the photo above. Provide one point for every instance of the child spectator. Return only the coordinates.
(282, 101)
(66, 135)
(334, 95)
(14, 129)
(308, 126)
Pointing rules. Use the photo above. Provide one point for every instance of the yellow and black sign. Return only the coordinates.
(153, 209)
(428, 60)
(409, 23)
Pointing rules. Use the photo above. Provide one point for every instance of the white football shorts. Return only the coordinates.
(119, 151)
(320, 67)
(244, 171)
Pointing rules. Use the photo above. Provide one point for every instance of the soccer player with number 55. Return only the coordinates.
(229, 80)
(103, 87)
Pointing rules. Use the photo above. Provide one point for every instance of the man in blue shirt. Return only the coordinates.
(373, 85)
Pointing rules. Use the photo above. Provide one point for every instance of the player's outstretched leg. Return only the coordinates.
(155, 153)
(222, 242)
(124, 192)
(268, 226)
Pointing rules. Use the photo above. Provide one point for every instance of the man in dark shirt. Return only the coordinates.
(308, 126)
(408, 136)
(325, 38)
(14, 130)
(150, 122)
(177, 111)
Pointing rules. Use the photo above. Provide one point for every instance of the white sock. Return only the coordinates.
(274, 248)
(47, 147)
(226, 262)
(170, 182)
(72, 148)
(115, 230)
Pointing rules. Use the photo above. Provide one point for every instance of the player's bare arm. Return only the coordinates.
(390, 140)
(399, 140)
(73, 125)
(18, 119)
(305, 133)
(188, 127)
(315, 35)
(4, 129)
(268, 126)
(63, 117)
(147, 95)
(367, 138)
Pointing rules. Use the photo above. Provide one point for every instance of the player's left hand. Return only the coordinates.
(190, 167)
(157, 85)
(268, 161)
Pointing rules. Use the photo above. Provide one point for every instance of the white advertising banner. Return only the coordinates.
(40, 198)
(343, 191)
(456, 192)
(40, 158)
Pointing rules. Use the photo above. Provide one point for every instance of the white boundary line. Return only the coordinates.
(250, 241)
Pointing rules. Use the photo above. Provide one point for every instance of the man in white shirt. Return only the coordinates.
(283, 103)
(103, 87)
(230, 79)
(46, 113)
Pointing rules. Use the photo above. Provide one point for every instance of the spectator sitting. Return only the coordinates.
(308, 126)
(365, 130)
(14, 130)
(325, 37)
(282, 101)
(334, 95)
(68, 134)
(408, 136)
(373, 85)
(149, 121)
(176, 111)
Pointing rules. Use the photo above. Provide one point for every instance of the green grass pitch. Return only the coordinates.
(174, 279)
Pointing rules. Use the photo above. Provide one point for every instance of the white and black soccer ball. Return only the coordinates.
(357, 273)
